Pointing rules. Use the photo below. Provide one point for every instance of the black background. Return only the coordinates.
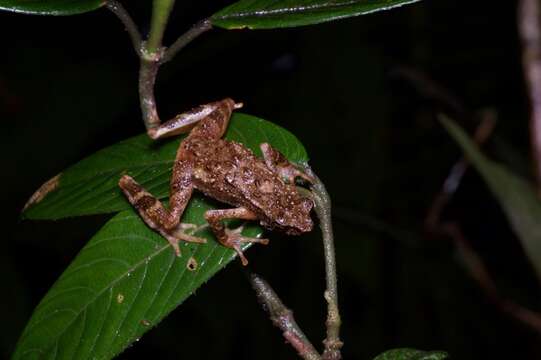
(68, 87)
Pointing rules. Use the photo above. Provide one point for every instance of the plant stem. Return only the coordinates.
(150, 61)
(160, 15)
(186, 38)
(323, 210)
(116, 8)
(147, 77)
(151, 52)
(154, 54)
(478, 271)
(487, 122)
(283, 318)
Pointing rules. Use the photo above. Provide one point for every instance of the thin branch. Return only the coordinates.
(323, 210)
(152, 53)
(147, 77)
(452, 182)
(430, 89)
(530, 31)
(471, 260)
(283, 318)
(480, 274)
(185, 39)
(119, 10)
(150, 64)
(522, 314)
(161, 9)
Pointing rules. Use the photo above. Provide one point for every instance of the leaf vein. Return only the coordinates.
(132, 305)
(96, 338)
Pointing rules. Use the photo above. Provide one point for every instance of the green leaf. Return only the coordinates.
(127, 278)
(268, 14)
(91, 186)
(516, 196)
(51, 7)
(121, 284)
(411, 354)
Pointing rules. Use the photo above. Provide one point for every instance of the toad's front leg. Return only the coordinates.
(278, 163)
(155, 215)
(232, 238)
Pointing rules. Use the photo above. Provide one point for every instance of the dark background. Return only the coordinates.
(68, 87)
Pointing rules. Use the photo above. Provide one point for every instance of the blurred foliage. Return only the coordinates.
(517, 196)
(69, 88)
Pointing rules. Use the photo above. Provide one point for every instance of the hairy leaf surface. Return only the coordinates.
(268, 14)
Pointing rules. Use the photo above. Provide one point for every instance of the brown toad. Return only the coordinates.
(260, 189)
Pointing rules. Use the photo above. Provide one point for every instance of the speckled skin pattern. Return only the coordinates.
(260, 189)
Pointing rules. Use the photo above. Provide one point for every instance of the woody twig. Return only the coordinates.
(152, 54)
(283, 318)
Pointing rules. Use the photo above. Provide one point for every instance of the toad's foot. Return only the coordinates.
(178, 234)
(234, 240)
(174, 236)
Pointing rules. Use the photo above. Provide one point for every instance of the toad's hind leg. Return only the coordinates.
(278, 163)
(215, 113)
(156, 216)
(232, 238)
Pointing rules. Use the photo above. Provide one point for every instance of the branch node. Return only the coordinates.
(151, 56)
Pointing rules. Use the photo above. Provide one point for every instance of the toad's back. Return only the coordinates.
(231, 173)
